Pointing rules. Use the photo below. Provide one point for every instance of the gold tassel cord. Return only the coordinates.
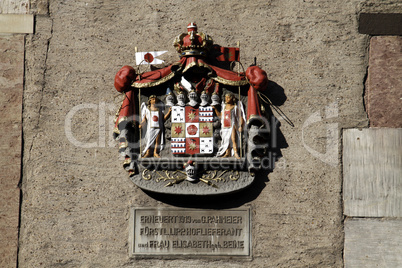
(265, 99)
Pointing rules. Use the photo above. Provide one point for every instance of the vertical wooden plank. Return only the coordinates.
(372, 172)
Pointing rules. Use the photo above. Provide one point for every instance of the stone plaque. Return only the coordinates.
(190, 232)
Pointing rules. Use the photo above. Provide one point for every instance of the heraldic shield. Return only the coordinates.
(192, 130)
(195, 127)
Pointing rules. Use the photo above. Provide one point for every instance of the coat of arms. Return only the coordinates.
(196, 126)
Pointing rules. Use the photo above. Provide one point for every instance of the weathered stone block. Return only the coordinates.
(14, 6)
(16, 23)
(372, 173)
(373, 243)
(384, 82)
(11, 83)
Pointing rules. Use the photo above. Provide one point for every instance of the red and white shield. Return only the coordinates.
(192, 130)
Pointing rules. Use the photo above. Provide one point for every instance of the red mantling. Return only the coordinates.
(127, 111)
(253, 106)
(160, 76)
(124, 78)
(257, 77)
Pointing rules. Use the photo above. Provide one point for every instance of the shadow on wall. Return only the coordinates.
(276, 95)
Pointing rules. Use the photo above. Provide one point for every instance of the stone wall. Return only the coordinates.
(77, 198)
(11, 84)
(384, 84)
(372, 166)
(14, 24)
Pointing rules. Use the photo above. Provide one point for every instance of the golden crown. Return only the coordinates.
(193, 43)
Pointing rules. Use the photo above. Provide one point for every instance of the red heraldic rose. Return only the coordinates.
(192, 130)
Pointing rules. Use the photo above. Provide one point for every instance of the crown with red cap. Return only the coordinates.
(193, 43)
(192, 27)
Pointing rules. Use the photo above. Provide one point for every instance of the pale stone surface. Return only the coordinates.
(11, 86)
(373, 243)
(76, 203)
(383, 6)
(39, 7)
(384, 82)
(372, 172)
(16, 23)
(14, 7)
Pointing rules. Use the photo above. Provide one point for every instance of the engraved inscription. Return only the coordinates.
(191, 232)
